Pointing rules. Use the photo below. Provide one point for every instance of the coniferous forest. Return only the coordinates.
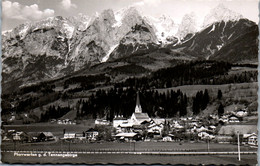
(120, 98)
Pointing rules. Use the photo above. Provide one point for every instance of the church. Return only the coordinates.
(138, 117)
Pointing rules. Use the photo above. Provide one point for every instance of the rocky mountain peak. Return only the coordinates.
(80, 21)
(220, 13)
(188, 25)
(108, 15)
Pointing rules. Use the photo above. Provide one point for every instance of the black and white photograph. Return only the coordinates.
(129, 82)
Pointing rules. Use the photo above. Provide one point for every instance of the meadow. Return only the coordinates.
(134, 159)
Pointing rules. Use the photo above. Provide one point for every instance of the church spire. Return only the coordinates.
(138, 108)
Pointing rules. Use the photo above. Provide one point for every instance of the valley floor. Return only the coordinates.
(57, 147)
(8, 157)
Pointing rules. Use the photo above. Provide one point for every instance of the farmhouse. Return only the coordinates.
(233, 119)
(46, 136)
(33, 136)
(69, 136)
(91, 134)
(127, 136)
(119, 120)
(101, 122)
(167, 139)
(20, 136)
(250, 139)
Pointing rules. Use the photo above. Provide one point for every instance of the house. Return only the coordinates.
(201, 129)
(158, 120)
(177, 125)
(205, 135)
(138, 117)
(66, 122)
(233, 119)
(241, 113)
(69, 135)
(126, 127)
(252, 140)
(46, 136)
(138, 128)
(127, 136)
(80, 136)
(101, 122)
(212, 128)
(167, 139)
(155, 128)
(20, 136)
(33, 137)
(119, 120)
(91, 134)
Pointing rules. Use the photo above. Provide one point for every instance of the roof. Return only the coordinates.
(91, 130)
(67, 134)
(126, 125)
(48, 134)
(120, 118)
(249, 135)
(33, 134)
(145, 122)
(233, 118)
(126, 134)
(159, 120)
(141, 116)
(137, 126)
(243, 129)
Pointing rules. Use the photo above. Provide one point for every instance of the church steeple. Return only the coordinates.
(138, 108)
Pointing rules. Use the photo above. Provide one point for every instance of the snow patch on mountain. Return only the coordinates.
(118, 18)
(105, 58)
(220, 46)
(213, 28)
(68, 30)
(164, 27)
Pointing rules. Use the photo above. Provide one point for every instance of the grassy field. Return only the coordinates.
(241, 90)
(56, 129)
(114, 146)
(133, 159)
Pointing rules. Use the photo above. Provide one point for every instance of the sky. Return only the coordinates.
(15, 12)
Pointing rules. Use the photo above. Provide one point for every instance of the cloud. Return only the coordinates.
(151, 3)
(14, 10)
(66, 4)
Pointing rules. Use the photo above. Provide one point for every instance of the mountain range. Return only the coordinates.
(57, 47)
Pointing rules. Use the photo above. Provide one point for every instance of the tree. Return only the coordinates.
(205, 99)
(219, 94)
(220, 109)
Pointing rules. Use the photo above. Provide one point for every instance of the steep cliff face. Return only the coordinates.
(188, 27)
(36, 51)
(209, 41)
(141, 39)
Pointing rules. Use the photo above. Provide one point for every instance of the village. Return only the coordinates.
(140, 127)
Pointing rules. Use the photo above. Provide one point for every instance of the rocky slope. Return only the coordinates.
(57, 46)
(210, 40)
